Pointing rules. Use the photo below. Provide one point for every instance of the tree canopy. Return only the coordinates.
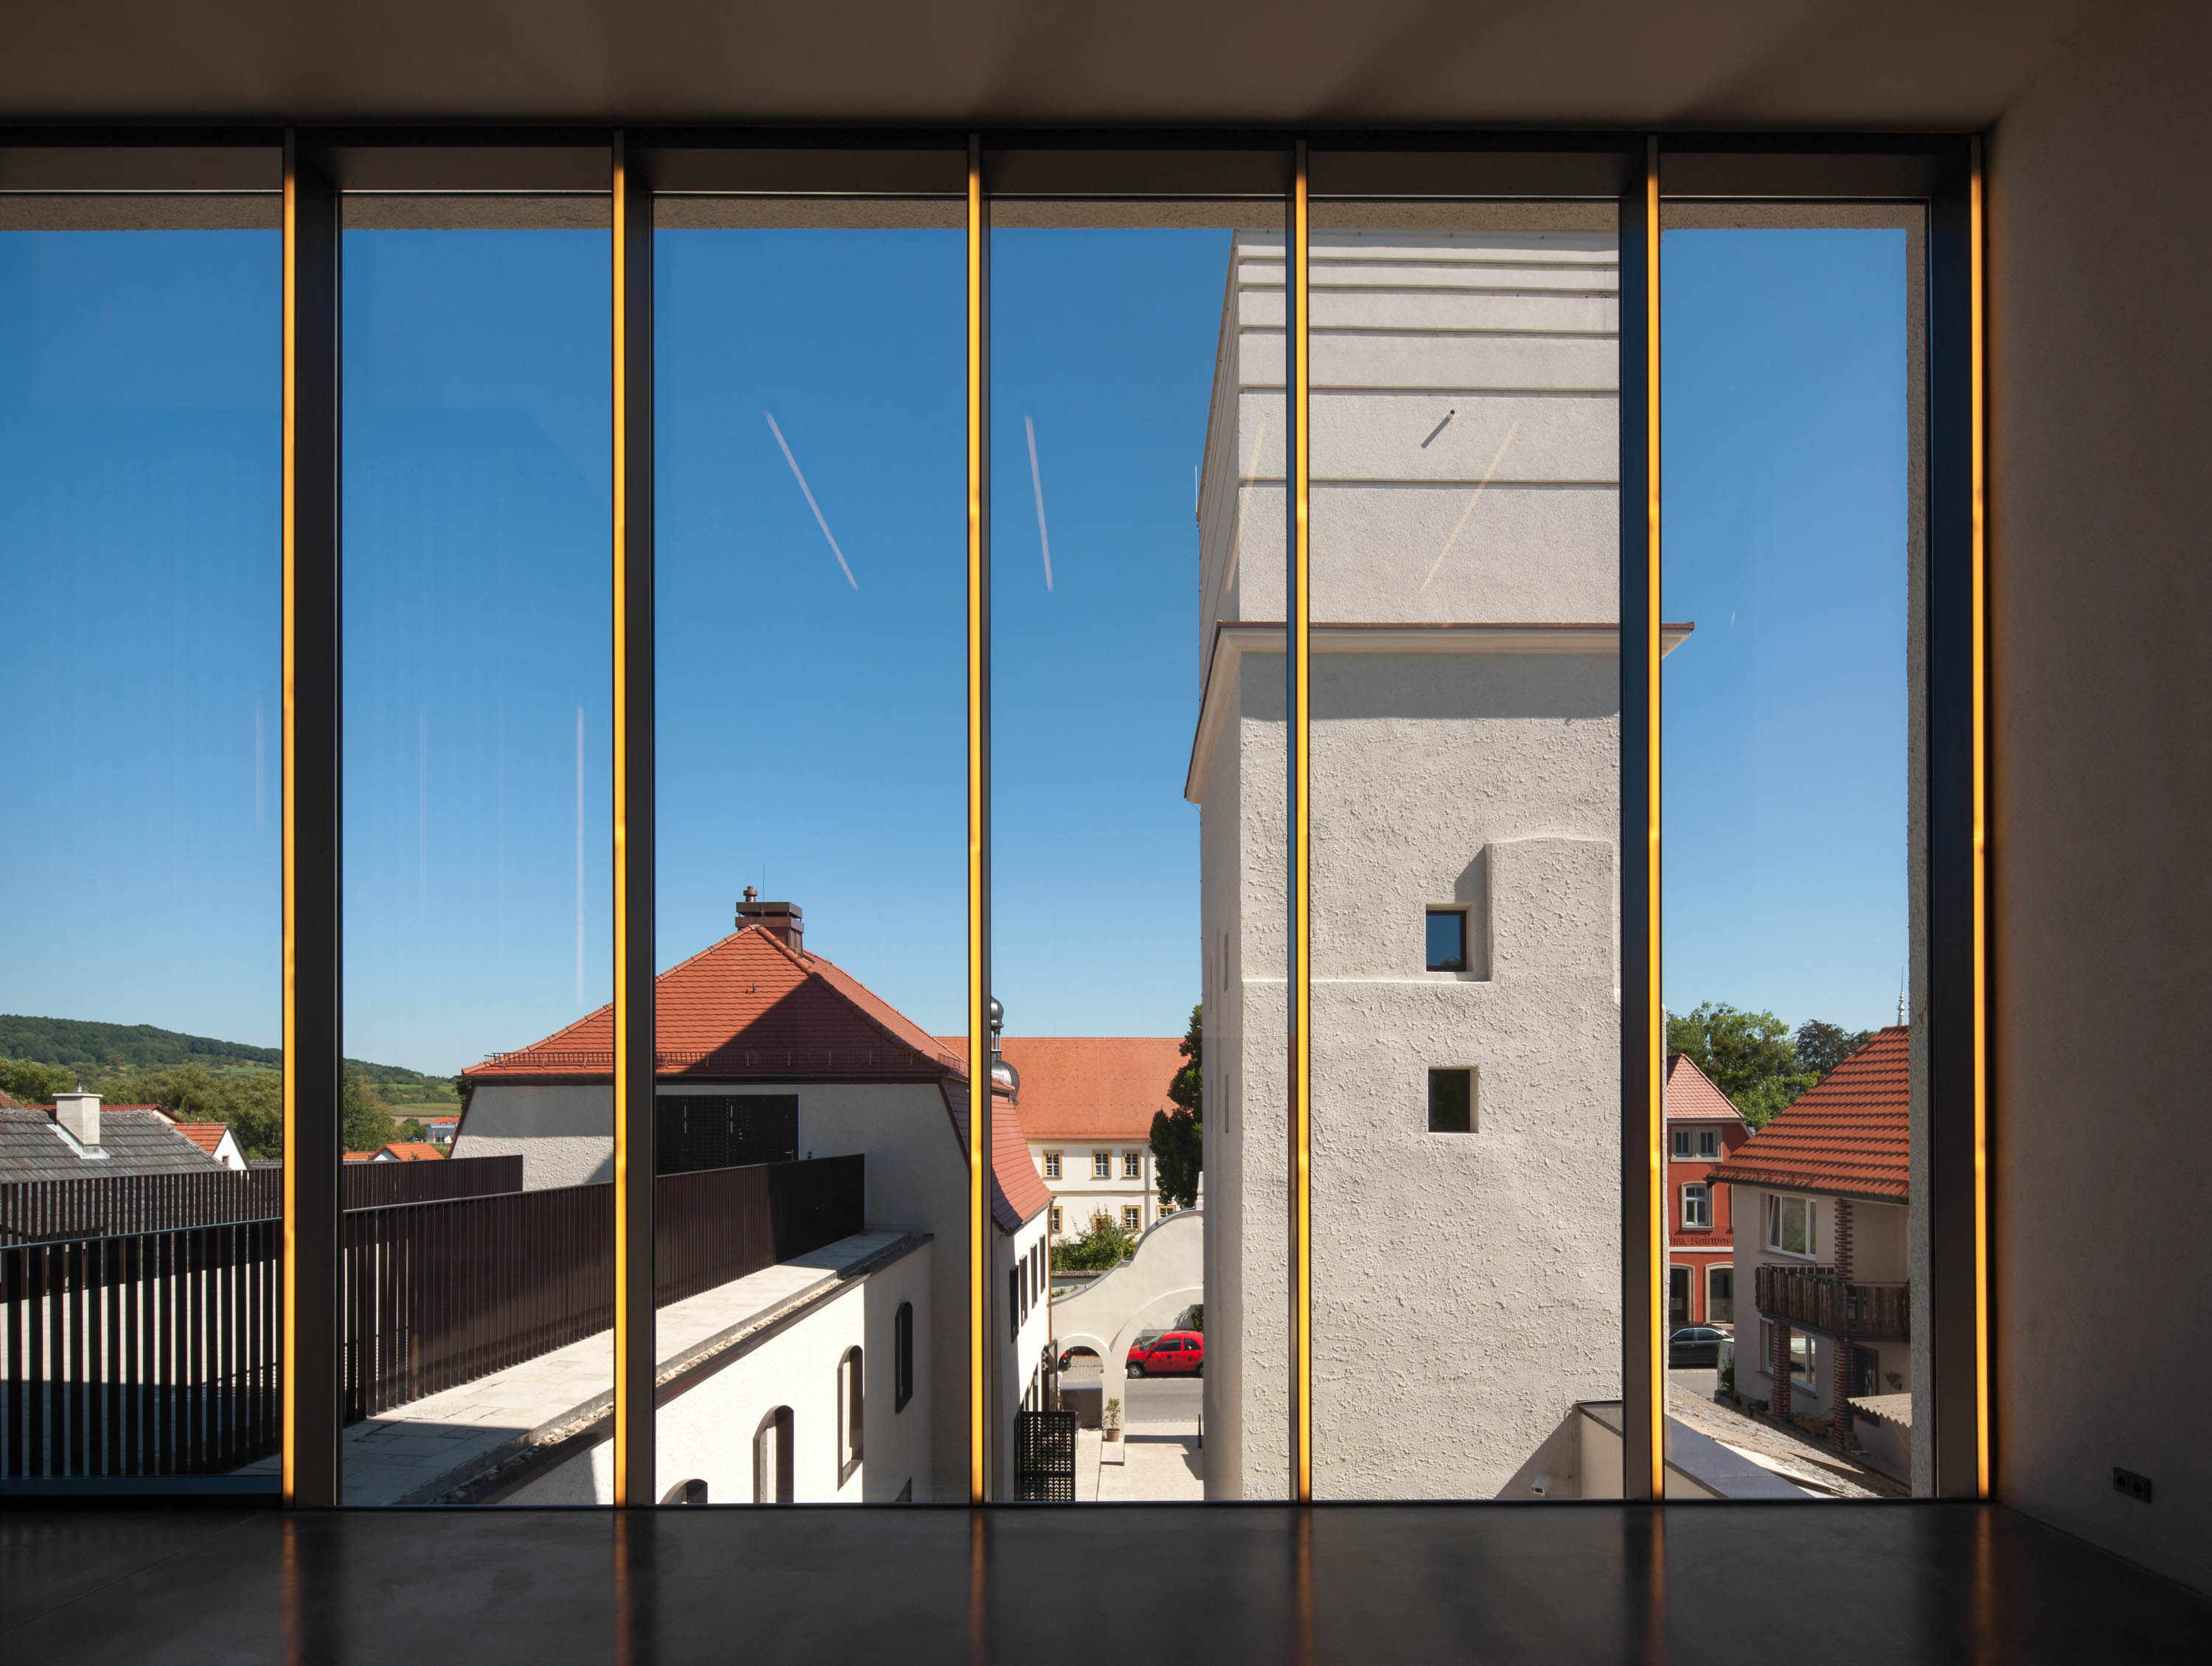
(1822, 1046)
(1754, 1059)
(1750, 1056)
(1103, 1245)
(1178, 1137)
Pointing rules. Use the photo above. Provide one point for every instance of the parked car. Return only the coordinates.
(1695, 1345)
(1176, 1353)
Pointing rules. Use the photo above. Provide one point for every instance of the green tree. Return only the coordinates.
(30, 1083)
(1104, 1246)
(1822, 1046)
(1750, 1056)
(366, 1120)
(1178, 1138)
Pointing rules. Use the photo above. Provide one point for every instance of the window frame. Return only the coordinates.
(852, 1412)
(1778, 1225)
(1052, 1160)
(1700, 1193)
(1939, 172)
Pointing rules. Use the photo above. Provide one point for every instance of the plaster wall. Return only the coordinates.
(565, 1135)
(1165, 1275)
(1020, 1345)
(706, 1432)
(2100, 430)
(917, 1180)
(1465, 419)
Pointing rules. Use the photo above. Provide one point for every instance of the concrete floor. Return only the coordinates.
(1375, 1584)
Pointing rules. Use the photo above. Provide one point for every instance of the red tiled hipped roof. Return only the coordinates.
(748, 1006)
(1084, 1087)
(1850, 1136)
(1018, 1194)
(1691, 1096)
(414, 1151)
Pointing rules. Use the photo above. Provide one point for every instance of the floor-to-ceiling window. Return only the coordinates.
(141, 1063)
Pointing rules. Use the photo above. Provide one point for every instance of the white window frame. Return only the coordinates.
(1699, 1193)
(1102, 1165)
(1777, 1208)
(1133, 1165)
(1129, 1225)
(1053, 1224)
(1799, 1343)
(1709, 1145)
(1052, 1165)
(1680, 1149)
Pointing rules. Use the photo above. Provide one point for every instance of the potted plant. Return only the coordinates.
(1113, 1419)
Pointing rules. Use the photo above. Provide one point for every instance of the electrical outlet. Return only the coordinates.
(2135, 1485)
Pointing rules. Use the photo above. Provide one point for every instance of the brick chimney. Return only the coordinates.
(783, 919)
(80, 1114)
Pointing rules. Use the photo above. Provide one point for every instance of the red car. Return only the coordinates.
(1174, 1353)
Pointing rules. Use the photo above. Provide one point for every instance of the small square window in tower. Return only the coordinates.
(1447, 940)
(1451, 1100)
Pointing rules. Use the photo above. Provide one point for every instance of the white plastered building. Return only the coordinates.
(1465, 695)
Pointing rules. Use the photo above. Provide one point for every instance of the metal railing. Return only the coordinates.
(1816, 1298)
(150, 1354)
(117, 1205)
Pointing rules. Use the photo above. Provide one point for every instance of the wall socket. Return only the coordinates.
(2135, 1485)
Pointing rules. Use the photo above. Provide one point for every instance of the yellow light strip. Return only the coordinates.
(1978, 443)
(979, 1063)
(289, 1396)
(1302, 855)
(1655, 1018)
(621, 897)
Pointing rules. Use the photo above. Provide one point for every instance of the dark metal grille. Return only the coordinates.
(155, 1354)
(158, 1352)
(116, 1206)
(1044, 1456)
(695, 1131)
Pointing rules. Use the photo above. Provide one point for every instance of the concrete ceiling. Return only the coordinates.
(1845, 63)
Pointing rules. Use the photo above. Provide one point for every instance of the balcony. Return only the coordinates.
(1816, 1299)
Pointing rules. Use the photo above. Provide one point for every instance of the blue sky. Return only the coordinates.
(810, 738)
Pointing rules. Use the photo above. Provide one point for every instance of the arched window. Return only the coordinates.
(772, 1458)
(903, 1357)
(848, 1414)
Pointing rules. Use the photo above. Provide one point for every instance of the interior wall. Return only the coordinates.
(2102, 616)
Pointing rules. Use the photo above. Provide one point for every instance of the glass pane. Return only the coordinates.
(811, 915)
(1792, 544)
(1136, 380)
(140, 1083)
(1466, 693)
(479, 1294)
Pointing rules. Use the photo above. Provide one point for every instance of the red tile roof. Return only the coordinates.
(414, 1151)
(1691, 1096)
(206, 1135)
(1085, 1087)
(748, 1007)
(1850, 1136)
(1018, 1194)
(7, 1103)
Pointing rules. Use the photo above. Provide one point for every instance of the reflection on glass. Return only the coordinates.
(1466, 688)
(1124, 360)
(477, 1241)
(811, 764)
(1792, 535)
(141, 1084)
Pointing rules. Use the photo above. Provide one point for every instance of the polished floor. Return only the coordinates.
(1868, 1584)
